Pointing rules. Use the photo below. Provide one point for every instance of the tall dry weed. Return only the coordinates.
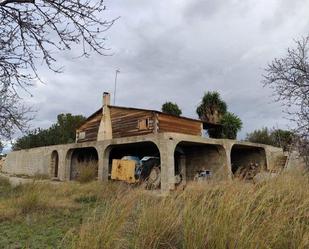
(157, 224)
(232, 214)
(87, 171)
(105, 228)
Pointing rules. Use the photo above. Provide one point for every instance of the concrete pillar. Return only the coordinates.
(62, 165)
(68, 164)
(228, 151)
(167, 148)
(103, 156)
(105, 170)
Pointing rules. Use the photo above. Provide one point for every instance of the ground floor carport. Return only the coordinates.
(192, 158)
(179, 154)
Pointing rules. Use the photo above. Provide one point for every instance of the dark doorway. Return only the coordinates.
(247, 161)
(81, 158)
(54, 164)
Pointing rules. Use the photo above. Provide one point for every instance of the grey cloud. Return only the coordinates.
(286, 12)
(203, 9)
(162, 55)
(198, 10)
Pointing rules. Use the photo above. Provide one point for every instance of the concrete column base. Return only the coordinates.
(167, 149)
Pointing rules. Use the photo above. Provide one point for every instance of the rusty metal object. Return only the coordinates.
(124, 170)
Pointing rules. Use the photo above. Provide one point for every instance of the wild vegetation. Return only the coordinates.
(62, 132)
(275, 137)
(87, 171)
(171, 108)
(232, 214)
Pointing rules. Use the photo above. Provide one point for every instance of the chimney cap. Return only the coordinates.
(105, 93)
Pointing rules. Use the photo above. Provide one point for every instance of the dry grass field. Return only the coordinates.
(234, 214)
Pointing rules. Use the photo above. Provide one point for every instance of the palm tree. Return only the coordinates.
(211, 108)
(231, 125)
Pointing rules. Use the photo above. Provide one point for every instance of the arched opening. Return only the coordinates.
(199, 162)
(83, 160)
(247, 161)
(134, 162)
(54, 164)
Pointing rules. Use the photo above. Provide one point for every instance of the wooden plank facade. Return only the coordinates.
(170, 123)
(128, 122)
(89, 130)
(131, 122)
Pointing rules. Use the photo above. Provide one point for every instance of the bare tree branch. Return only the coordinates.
(31, 30)
(5, 2)
(12, 114)
(289, 78)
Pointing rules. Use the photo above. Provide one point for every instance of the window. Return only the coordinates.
(143, 124)
(81, 135)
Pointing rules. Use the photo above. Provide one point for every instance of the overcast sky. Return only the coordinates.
(175, 51)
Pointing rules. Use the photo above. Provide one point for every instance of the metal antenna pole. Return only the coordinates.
(115, 89)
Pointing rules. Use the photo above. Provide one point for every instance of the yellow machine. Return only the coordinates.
(124, 170)
(131, 169)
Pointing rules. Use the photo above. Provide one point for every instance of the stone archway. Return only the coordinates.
(193, 157)
(80, 158)
(145, 154)
(247, 160)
